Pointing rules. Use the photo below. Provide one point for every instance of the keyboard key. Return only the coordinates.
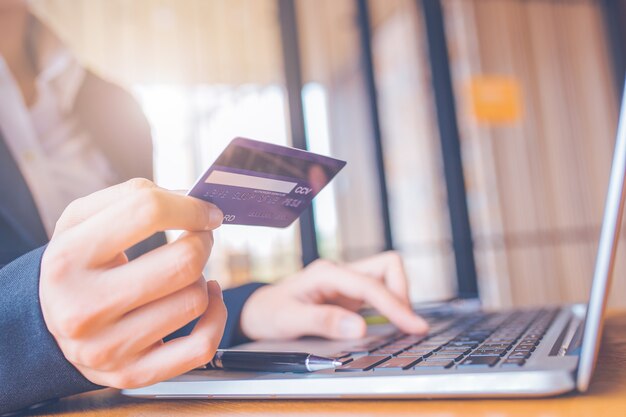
(467, 340)
(477, 336)
(386, 352)
(358, 351)
(513, 363)
(422, 354)
(489, 352)
(463, 344)
(410, 339)
(445, 356)
(426, 346)
(362, 364)
(433, 365)
(440, 340)
(458, 349)
(503, 340)
(479, 361)
(480, 334)
(488, 335)
(524, 349)
(418, 350)
(505, 346)
(399, 346)
(397, 364)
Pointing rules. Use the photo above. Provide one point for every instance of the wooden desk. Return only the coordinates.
(607, 397)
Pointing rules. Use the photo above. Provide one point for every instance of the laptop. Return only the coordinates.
(468, 353)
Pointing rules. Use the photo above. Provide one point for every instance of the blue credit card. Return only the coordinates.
(261, 184)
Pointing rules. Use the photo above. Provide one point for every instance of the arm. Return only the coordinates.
(32, 367)
(78, 314)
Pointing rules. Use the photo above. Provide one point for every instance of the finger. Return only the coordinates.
(83, 208)
(329, 321)
(135, 218)
(149, 324)
(350, 284)
(185, 353)
(389, 268)
(154, 275)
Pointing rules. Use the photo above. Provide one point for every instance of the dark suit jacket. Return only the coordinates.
(32, 367)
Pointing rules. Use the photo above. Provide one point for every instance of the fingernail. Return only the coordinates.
(216, 288)
(216, 217)
(351, 327)
(422, 325)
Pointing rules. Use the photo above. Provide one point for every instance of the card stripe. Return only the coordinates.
(249, 181)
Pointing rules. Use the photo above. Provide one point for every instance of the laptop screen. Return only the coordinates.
(605, 259)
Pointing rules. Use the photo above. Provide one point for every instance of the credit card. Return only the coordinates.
(261, 184)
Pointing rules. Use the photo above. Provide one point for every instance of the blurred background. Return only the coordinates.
(478, 133)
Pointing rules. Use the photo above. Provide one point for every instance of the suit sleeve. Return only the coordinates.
(32, 367)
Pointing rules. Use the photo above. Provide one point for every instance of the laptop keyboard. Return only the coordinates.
(479, 340)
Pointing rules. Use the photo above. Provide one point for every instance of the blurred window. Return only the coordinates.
(191, 126)
(332, 67)
(537, 178)
(204, 72)
(535, 103)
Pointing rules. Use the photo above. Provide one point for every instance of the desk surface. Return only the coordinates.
(606, 397)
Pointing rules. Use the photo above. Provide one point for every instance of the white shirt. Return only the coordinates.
(57, 158)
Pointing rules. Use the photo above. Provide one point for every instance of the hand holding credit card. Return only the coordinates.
(261, 184)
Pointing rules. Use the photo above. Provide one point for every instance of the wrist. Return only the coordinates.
(237, 300)
(251, 321)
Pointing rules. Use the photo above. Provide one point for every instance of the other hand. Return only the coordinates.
(322, 300)
(108, 315)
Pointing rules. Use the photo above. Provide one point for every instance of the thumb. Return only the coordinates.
(331, 322)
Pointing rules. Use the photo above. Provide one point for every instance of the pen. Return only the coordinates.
(243, 360)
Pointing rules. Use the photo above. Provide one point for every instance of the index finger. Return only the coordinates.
(388, 268)
(136, 217)
(83, 208)
(375, 293)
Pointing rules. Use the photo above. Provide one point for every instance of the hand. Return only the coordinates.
(109, 315)
(322, 300)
